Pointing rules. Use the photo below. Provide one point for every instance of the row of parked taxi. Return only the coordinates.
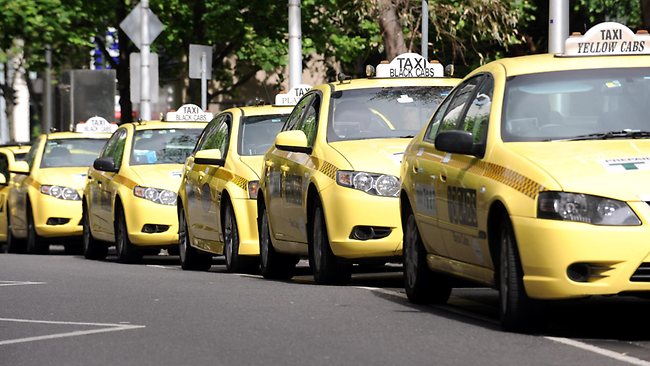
(530, 176)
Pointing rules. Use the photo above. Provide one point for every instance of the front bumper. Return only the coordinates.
(345, 208)
(151, 224)
(55, 217)
(612, 255)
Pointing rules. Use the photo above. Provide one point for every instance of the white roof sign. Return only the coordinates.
(189, 113)
(609, 38)
(95, 124)
(410, 65)
(292, 96)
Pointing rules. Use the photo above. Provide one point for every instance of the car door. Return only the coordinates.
(461, 184)
(4, 190)
(202, 212)
(103, 209)
(19, 189)
(425, 171)
(284, 177)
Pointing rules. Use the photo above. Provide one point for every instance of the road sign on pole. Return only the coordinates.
(131, 25)
(201, 68)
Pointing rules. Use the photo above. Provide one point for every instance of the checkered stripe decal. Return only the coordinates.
(513, 179)
(236, 179)
(240, 182)
(328, 169)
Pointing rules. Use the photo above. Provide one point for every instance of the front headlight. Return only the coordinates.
(372, 183)
(585, 208)
(157, 195)
(63, 193)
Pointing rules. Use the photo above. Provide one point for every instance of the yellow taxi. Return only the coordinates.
(330, 182)
(130, 196)
(45, 194)
(217, 209)
(532, 178)
(9, 154)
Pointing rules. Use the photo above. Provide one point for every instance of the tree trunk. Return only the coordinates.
(391, 30)
(645, 13)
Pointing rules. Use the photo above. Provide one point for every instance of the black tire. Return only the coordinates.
(326, 267)
(518, 312)
(35, 243)
(92, 248)
(14, 245)
(421, 284)
(192, 259)
(273, 265)
(234, 261)
(125, 250)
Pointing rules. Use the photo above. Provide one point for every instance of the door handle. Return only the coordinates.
(284, 168)
(268, 163)
(416, 168)
(201, 176)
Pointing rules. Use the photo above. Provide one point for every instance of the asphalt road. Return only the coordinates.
(65, 310)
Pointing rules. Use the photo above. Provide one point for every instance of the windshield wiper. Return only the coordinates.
(634, 134)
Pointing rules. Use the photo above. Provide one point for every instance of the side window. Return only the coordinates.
(31, 155)
(434, 124)
(4, 166)
(458, 102)
(219, 137)
(297, 113)
(478, 113)
(207, 132)
(112, 147)
(310, 120)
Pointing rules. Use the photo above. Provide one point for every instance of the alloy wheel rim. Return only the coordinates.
(318, 241)
(412, 254)
(228, 236)
(264, 242)
(503, 285)
(183, 238)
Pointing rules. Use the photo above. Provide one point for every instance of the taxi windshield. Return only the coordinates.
(382, 112)
(164, 146)
(577, 105)
(71, 152)
(257, 133)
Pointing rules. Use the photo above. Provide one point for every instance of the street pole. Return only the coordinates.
(145, 98)
(295, 44)
(47, 92)
(204, 82)
(425, 29)
(558, 25)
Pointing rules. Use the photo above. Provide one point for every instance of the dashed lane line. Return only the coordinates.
(19, 283)
(601, 351)
(106, 327)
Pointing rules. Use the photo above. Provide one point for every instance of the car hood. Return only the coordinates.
(74, 177)
(166, 176)
(612, 168)
(373, 155)
(254, 162)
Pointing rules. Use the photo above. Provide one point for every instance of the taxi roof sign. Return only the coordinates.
(608, 38)
(95, 124)
(410, 65)
(292, 96)
(189, 113)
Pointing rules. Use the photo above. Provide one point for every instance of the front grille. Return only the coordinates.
(642, 274)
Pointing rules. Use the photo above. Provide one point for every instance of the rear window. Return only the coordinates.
(257, 133)
(164, 146)
(61, 153)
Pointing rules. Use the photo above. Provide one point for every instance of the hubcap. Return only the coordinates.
(228, 237)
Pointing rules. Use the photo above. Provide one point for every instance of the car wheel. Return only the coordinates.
(326, 267)
(35, 244)
(126, 252)
(191, 258)
(14, 245)
(518, 312)
(273, 265)
(421, 284)
(234, 261)
(92, 248)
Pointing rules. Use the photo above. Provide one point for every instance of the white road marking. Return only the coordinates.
(19, 283)
(156, 266)
(107, 327)
(601, 351)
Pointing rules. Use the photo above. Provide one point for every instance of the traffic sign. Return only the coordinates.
(131, 26)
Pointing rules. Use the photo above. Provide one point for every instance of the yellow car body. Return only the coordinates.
(217, 205)
(532, 178)
(45, 194)
(329, 185)
(130, 196)
(9, 154)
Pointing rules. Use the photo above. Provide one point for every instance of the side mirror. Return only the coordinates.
(105, 164)
(458, 142)
(209, 157)
(20, 167)
(294, 141)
